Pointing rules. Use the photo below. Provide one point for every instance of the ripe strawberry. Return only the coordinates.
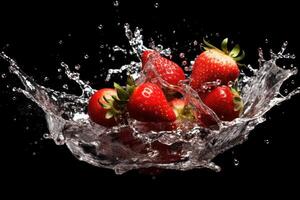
(225, 102)
(168, 70)
(214, 64)
(149, 104)
(100, 107)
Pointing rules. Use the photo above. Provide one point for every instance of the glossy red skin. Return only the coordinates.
(96, 112)
(220, 100)
(149, 104)
(167, 69)
(212, 65)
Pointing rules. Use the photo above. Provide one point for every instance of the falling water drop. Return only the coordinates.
(116, 3)
(236, 162)
(77, 67)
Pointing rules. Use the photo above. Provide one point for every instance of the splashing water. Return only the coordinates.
(133, 144)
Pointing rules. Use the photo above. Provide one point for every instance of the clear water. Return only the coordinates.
(192, 145)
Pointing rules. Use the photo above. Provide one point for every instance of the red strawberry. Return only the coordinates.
(100, 107)
(225, 102)
(214, 64)
(168, 70)
(149, 104)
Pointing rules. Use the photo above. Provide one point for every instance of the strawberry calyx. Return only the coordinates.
(116, 104)
(182, 110)
(236, 54)
(237, 101)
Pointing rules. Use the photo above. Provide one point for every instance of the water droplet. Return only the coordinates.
(46, 78)
(100, 26)
(59, 69)
(181, 55)
(3, 75)
(65, 86)
(217, 34)
(29, 106)
(35, 142)
(159, 47)
(236, 162)
(113, 58)
(292, 82)
(60, 42)
(26, 128)
(14, 119)
(266, 41)
(86, 56)
(266, 141)
(174, 31)
(14, 98)
(46, 135)
(184, 63)
(195, 43)
(69, 35)
(77, 67)
(230, 83)
(34, 153)
(59, 76)
(156, 5)
(286, 91)
(14, 89)
(101, 61)
(116, 3)
(186, 68)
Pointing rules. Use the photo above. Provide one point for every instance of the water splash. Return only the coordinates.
(135, 144)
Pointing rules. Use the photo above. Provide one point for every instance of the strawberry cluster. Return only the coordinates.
(148, 102)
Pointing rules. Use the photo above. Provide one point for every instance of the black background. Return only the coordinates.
(31, 32)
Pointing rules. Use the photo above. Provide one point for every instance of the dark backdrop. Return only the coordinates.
(39, 36)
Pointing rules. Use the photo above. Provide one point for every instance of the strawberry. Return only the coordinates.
(214, 64)
(225, 102)
(100, 107)
(149, 104)
(168, 70)
(107, 105)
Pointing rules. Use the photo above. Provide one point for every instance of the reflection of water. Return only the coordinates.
(132, 144)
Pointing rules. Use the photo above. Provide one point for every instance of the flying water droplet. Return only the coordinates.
(77, 67)
(46, 78)
(156, 5)
(86, 56)
(181, 55)
(65, 86)
(100, 26)
(266, 141)
(3, 75)
(116, 3)
(236, 162)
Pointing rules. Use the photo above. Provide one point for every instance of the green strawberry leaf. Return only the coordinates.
(130, 81)
(105, 106)
(241, 57)
(122, 93)
(109, 114)
(209, 45)
(235, 51)
(224, 45)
